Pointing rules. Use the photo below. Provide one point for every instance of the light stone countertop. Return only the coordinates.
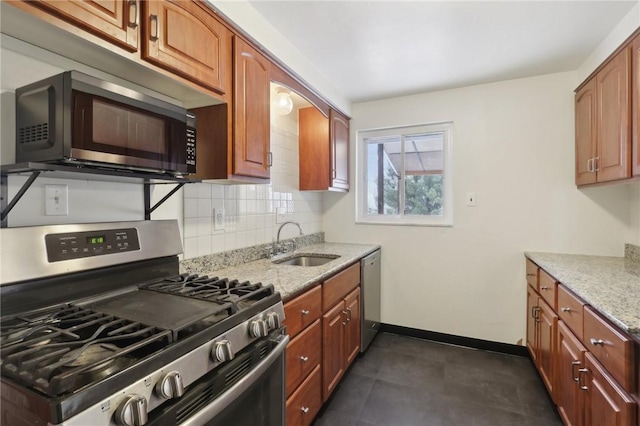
(610, 284)
(292, 280)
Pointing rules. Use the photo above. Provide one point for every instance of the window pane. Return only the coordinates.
(383, 176)
(423, 195)
(424, 153)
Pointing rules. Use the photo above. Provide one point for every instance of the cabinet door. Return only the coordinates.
(251, 156)
(612, 118)
(585, 133)
(547, 325)
(333, 352)
(532, 322)
(315, 169)
(114, 20)
(352, 337)
(339, 136)
(186, 39)
(569, 396)
(606, 402)
(635, 73)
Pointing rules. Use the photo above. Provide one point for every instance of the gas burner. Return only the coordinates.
(73, 346)
(234, 294)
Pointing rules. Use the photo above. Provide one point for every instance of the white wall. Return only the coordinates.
(513, 147)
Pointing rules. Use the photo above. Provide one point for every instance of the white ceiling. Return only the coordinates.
(379, 49)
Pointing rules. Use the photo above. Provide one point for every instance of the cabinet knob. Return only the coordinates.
(304, 312)
(596, 342)
(304, 358)
(305, 410)
(565, 309)
(544, 287)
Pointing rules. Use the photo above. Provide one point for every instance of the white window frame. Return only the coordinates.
(447, 177)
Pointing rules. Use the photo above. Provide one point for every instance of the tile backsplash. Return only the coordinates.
(250, 210)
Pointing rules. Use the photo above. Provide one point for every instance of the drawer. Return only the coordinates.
(612, 348)
(570, 310)
(303, 355)
(338, 286)
(532, 274)
(302, 311)
(548, 289)
(305, 402)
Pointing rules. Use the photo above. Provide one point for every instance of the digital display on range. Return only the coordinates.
(76, 245)
(96, 240)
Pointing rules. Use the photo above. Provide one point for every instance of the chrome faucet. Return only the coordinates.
(277, 245)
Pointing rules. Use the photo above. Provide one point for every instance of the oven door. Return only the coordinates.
(247, 391)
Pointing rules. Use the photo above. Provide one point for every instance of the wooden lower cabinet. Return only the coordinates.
(542, 322)
(547, 324)
(306, 401)
(606, 403)
(589, 366)
(569, 396)
(333, 342)
(325, 340)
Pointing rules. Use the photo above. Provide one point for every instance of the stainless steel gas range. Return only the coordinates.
(99, 328)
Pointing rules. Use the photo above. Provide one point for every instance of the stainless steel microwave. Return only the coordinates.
(75, 118)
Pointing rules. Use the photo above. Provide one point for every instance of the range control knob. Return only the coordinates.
(222, 351)
(170, 386)
(258, 328)
(273, 320)
(132, 411)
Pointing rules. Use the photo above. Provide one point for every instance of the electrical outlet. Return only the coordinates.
(218, 219)
(56, 200)
(281, 214)
(471, 199)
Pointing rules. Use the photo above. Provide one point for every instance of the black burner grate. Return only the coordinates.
(62, 349)
(236, 295)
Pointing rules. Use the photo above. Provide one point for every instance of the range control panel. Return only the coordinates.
(75, 245)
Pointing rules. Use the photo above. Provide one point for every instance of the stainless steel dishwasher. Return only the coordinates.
(370, 288)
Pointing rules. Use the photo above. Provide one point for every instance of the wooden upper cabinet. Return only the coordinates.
(339, 137)
(585, 133)
(324, 150)
(184, 38)
(612, 118)
(116, 21)
(635, 107)
(251, 109)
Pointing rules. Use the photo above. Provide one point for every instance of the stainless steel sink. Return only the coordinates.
(307, 260)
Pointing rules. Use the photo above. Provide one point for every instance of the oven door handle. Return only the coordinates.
(224, 400)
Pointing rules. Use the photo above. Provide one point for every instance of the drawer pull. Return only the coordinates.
(565, 309)
(133, 11)
(580, 371)
(304, 312)
(595, 342)
(305, 410)
(304, 358)
(535, 310)
(531, 275)
(575, 375)
(349, 317)
(346, 317)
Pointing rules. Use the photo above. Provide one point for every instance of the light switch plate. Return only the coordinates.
(218, 219)
(56, 200)
(281, 214)
(471, 199)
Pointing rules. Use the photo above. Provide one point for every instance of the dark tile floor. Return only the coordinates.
(401, 381)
